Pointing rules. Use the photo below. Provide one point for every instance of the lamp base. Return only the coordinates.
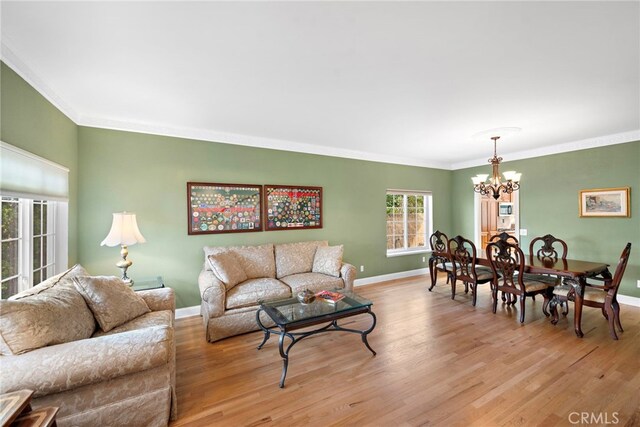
(124, 264)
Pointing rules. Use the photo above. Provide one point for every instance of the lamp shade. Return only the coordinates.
(124, 231)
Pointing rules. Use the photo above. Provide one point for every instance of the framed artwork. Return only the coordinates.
(605, 202)
(289, 207)
(223, 208)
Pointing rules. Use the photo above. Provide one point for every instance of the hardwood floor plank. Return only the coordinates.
(439, 362)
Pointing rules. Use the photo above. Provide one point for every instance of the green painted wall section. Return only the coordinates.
(549, 203)
(30, 122)
(147, 174)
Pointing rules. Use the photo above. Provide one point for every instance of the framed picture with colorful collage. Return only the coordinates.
(292, 207)
(223, 208)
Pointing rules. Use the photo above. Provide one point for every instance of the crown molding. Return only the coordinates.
(254, 141)
(27, 74)
(8, 56)
(600, 141)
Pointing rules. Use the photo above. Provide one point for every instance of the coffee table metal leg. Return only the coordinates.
(363, 334)
(285, 357)
(368, 331)
(267, 333)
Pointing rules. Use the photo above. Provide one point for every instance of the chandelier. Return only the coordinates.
(495, 185)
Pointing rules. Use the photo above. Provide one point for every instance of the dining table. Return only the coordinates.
(573, 272)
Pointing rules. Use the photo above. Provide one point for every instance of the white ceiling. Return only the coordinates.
(405, 82)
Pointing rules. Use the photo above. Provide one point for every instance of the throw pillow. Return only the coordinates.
(294, 258)
(51, 282)
(111, 300)
(226, 267)
(54, 315)
(328, 260)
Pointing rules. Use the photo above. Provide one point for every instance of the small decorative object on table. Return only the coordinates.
(306, 297)
(329, 296)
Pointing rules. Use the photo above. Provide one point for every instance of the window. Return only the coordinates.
(408, 222)
(29, 243)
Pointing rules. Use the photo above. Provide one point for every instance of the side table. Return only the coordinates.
(15, 410)
(146, 283)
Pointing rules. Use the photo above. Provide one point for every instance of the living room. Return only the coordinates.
(132, 144)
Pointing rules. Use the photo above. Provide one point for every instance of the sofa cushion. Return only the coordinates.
(111, 300)
(65, 277)
(248, 293)
(313, 281)
(55, 315)
(227, 268)
(328, 260)
(293, 258)
(256, 261)
(153, 318)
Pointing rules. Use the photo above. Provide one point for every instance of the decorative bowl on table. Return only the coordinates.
(306, 297)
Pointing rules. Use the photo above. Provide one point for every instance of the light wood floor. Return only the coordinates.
(439, 362)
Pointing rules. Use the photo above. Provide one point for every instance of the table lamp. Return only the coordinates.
(124, 231)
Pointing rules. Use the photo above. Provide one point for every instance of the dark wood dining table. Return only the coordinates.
(573, 272)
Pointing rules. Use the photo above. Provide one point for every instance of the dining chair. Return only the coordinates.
(551, 248)
(504, 236)
(464, 258)
(507, 263)
(440, 258)
(547, 247)
(603, 297)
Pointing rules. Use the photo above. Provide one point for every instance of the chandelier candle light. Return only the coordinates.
(124, 231)
(494, 186)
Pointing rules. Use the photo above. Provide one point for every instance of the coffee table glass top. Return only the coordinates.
(290, 310)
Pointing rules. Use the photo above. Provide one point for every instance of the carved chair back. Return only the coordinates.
(507, 262)
(464, 257)
(504, 236)
(549, 248)
(439, 242)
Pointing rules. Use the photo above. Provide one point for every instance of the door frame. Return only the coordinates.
(477, 219)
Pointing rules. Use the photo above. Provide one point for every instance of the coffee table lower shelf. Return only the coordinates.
(284, 330)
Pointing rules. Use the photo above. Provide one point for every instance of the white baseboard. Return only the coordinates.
(390, 276)
(627, 300)
(181, 313)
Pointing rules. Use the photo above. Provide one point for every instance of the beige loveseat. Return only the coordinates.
(233, 279)
(52, 344)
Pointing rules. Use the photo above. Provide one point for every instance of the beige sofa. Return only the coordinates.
(125, 376)
(267, 271)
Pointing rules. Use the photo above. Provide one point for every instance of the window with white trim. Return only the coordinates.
(34, 220)
(409, 216)
(29, 242)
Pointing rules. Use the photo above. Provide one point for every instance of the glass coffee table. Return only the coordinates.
(290, 314)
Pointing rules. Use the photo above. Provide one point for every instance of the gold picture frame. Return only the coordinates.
(605, 202)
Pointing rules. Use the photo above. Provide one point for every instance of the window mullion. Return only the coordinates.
(406, 223)
(26, 244)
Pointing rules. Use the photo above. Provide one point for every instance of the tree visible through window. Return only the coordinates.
(28, 243)
(11, 245)
(408, 221)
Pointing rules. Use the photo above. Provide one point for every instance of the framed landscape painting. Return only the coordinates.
(289, 207)
(223, 208)
(605, 202)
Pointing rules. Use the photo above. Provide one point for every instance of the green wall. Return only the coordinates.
(30, 122)
(549, 203)
(112, 171)
(147, 174)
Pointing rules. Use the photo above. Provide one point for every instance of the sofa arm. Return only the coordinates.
(159, 299)
(212, 292)
(348, 274)
(62, 367)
